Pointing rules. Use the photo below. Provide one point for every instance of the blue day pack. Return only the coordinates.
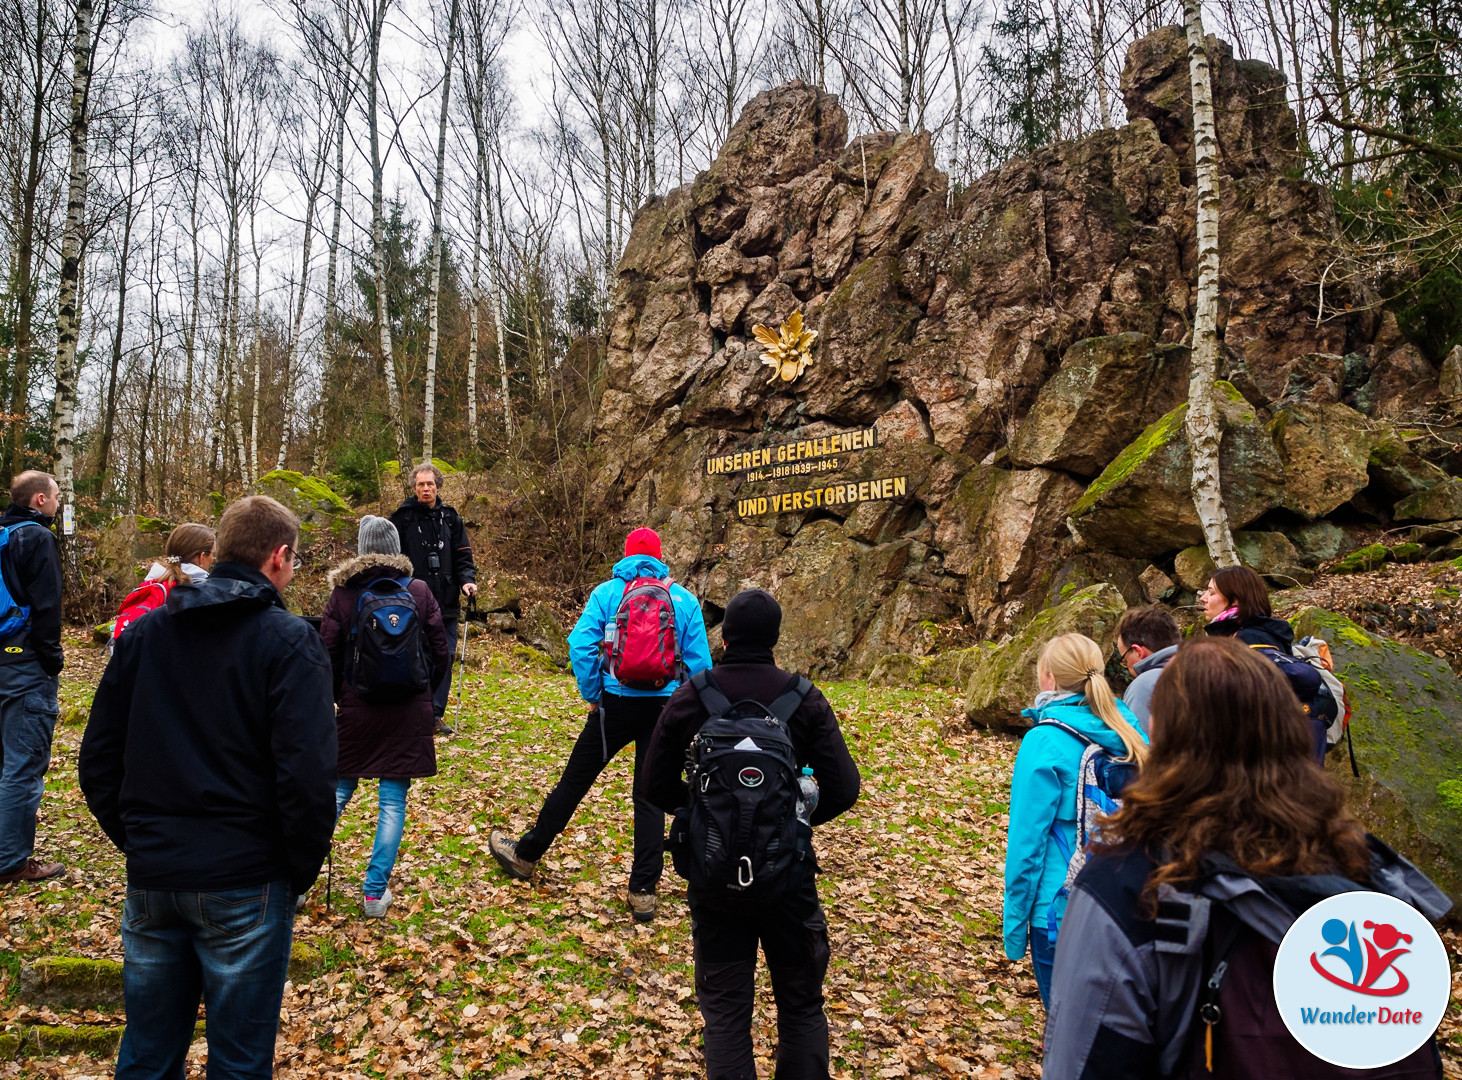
(16, 616)
(1099, 784)
(390, 656)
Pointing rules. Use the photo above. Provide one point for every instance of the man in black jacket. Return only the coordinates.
(433, 538)
(792, 932)
(209, 760)
(30, 661)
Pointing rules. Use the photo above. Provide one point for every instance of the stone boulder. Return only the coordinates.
(1397, 471)
(311, 499)
(1440, 503)
(1326, 450)
(540, 629)
(1407, 731)
(1002, 679)
(1269, 553)
(1142, 505)
(1106, 391)
(1000, 529)
(903, 624)
(1256, 129)
(126, 544)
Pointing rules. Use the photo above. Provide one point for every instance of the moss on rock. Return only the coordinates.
(1407, 730)
(72, 982)
(305, 962)
(1002, 680)
(309, 488)
(536, 660)
(1363, 560)
(1155, 436)
(898, 669)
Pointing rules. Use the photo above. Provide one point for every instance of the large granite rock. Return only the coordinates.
(1142, 503)
(1440, 503)
(1105, 392)
(1002, 679)
(1043, 307)
(1326, 450)
(1407, 731)
(1269, 553)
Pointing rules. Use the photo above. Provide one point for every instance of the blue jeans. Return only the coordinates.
(1043, 959)
(390, 824)
(231, 948)
(443, 690)
(27, 722)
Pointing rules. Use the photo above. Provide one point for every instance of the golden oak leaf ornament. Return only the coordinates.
(789, 352)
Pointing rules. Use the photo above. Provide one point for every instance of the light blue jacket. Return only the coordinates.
(1043, 795)
(587, 637)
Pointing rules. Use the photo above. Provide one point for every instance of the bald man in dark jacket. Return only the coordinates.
(792, 931)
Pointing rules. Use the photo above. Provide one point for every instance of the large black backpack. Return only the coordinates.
(389, 658)
(740, 833)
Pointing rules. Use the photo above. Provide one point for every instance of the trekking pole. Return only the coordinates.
(462, 659)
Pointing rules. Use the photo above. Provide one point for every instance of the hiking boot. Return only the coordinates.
(33, 871)
(642, 906)
(444, 728)
(375, 906)
(505, 850)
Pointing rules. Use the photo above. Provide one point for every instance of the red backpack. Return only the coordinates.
(642, 647)
(141, 600)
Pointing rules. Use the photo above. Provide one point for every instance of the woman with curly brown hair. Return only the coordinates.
(1226, 837)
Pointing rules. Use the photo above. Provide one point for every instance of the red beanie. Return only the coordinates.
(642, 542)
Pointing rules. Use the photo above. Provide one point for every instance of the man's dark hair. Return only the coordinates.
(1153, 627)
(28, 485)
(254, 528)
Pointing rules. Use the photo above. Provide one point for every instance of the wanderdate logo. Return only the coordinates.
(1361, 980)
(1365, 970)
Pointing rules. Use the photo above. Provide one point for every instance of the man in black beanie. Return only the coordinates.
(792, 931)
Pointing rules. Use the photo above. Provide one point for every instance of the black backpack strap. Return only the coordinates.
(715, 702)
(790, 699)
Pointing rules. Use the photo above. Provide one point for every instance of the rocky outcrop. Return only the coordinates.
(1018, 346)
(1407, 730)
(1002, 678)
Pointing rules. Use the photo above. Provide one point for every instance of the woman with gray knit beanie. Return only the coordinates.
(388, 741)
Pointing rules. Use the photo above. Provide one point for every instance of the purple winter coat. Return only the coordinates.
(385, 742)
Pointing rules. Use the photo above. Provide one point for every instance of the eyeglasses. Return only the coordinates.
(1122, 656)
(295, 555)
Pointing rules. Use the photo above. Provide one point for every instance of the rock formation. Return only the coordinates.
(1019, 348)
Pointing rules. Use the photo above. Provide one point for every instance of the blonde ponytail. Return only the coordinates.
(1074, 661)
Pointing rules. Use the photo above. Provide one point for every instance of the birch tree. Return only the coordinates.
(63, 438)
(1205, 430)
(377, 11)
(439, 180)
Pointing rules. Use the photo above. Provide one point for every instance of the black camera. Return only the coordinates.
(434, 562)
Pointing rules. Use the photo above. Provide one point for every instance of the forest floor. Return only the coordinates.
(474, 975)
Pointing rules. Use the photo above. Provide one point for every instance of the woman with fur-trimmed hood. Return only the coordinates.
(392, 743)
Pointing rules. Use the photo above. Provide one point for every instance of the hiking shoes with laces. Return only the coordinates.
(505, 850)
(642, 906)
(375, 906)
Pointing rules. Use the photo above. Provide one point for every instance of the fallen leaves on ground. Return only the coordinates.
(474, 975)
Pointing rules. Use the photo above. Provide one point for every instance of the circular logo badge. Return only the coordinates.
(1361, 980)
(750, 776)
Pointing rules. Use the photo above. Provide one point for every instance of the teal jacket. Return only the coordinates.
(587, 636)
(1042, 795)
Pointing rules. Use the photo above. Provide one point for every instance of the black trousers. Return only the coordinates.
(626, 720)
(793, 935)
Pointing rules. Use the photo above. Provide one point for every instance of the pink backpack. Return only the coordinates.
(642, 648)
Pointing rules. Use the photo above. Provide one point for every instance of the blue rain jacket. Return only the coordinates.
(1043, 795)
(587, 636)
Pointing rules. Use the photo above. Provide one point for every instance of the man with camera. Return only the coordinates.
(433, 538)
